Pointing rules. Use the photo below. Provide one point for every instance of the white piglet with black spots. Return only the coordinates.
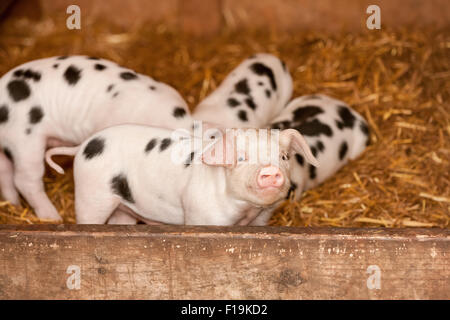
(334, 132)
(68, 99)
(160, 175)
(250, 96)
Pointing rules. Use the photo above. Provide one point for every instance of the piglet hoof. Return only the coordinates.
(49, 216)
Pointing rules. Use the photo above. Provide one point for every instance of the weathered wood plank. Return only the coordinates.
(169, 262)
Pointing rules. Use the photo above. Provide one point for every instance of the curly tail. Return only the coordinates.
(63, 151)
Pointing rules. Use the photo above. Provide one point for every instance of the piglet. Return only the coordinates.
(334, 132)
(68, 99)
(250, 96)
(219, 178)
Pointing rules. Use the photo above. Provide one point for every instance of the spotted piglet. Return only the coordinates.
(68, 99)
(162, 175)
(334, 132)
(250, 96)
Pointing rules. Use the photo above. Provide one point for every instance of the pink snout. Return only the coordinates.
(270, 177)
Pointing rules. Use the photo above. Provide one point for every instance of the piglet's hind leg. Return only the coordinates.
(121, 217)
(7, 188)
(29, 170)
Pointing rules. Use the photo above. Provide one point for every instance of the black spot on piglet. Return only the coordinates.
(128, 75)
(35, 115)
(242, 115)
(165, 143)
(149, 147)
(242, 87)
(305, 112)
(312, 172)
(94, 148)
(99, 67)
(72, 75)
(347, 117)
(179, 112)
(262, 70)
(299, 159)
(18, 90)
(292, 189)
(232, 102)
(188, 162)
(8, 154)
(120, 187)
(343, 150)
(4, 114)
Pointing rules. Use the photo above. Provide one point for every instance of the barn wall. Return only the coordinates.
(207, 17)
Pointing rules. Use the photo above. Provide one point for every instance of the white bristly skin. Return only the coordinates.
(133, 166)
(354, 134)
(68, 99)
(250, 96)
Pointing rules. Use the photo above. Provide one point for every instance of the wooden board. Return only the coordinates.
(170, 262)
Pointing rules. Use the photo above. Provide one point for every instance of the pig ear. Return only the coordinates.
(219, 151)
(292, 139)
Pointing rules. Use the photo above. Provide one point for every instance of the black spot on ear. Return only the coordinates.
(251, 104)
(242, 115)
(8, 154)
(268, 93)
(179, 112)
(262, 70)
(62, 58)
(188, 162)
(72, 75)
(314, 128)
(299, 159)
(120, 187)
(320, 146)
(292, 189)
(165, 143)
(281, 125)
(347, 117)
(55, 66)
(305, 112)
(4, 114)
(313, 151)
(110, 87)
(127, 75)
(94, 148)
(18, 90)
(18, 73)
(149, 147)
(343, 150)
(152, 88)
(242, 87)
(35, 115)
(312, 172)
(99, 67)
(232, 102)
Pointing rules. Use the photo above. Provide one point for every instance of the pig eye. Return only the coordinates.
(285, 157)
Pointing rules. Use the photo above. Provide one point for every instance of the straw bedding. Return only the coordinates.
(399, 81)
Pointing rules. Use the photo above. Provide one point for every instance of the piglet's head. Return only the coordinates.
(256, 161)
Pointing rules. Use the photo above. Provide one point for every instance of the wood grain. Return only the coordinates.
(169, 262)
